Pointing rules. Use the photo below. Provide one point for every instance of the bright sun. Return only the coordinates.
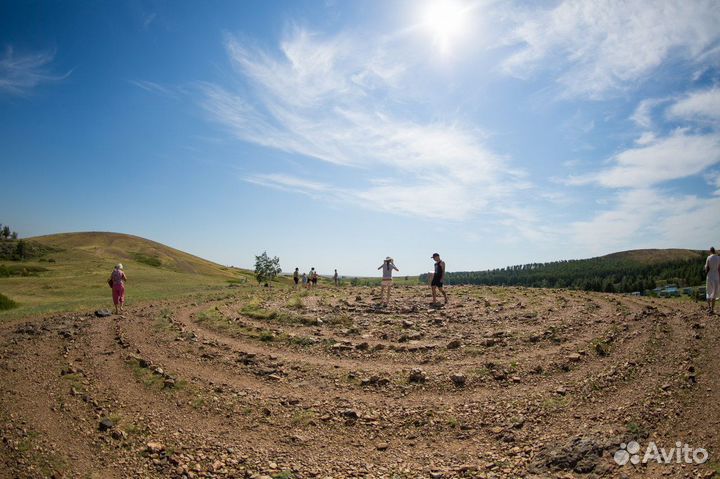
(445, 19)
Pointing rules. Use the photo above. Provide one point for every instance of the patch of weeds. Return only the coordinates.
(254, 309)
(162, 322)
(636, 430)
(482, 372)
(343, 320)
(27, 442)
(303, 418)
(75, 381)
(453, 422)
(6, 303)
(601, 347)
(714, 467)
(198, 402)
(295, 303)
(284, 475)
(555, 404)
(473, 351)
(301, 341)
(145, 376)
(266, 336)
(133, 429)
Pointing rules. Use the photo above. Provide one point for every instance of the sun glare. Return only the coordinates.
(445, 19)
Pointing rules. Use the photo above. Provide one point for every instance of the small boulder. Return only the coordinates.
(417, 375)
(458, 379)
(454, 344)
(155, 447)
(105, 424)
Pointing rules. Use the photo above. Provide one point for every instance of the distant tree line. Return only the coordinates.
(595, 274)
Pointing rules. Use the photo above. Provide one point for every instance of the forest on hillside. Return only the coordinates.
(596, 274)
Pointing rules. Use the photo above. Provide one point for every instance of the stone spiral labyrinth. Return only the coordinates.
(502, 382)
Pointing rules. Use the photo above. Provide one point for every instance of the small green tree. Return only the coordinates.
(265, 268)
(20, 250)
(5, 232)
(14, 235)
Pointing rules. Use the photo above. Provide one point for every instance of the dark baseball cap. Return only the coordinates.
(435, 254)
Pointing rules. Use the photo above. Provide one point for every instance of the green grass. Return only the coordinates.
(77, 280)
(153, 261)
(6, 303)
(303, 418)
(552, 405)
(295, 303)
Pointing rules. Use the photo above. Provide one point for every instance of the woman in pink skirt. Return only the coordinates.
(118, 280)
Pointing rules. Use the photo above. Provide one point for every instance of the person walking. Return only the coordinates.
(712, 274)
(387, 269)
(117, 282)
(304, 280)
(336, 279)
(296, 277)
(438, 278)
(313, 278)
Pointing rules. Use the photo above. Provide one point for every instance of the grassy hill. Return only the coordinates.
(653, 256)
(71, 270)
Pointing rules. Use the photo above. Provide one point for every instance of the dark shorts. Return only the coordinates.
(314, 281)
(296, 280)
(436, 282)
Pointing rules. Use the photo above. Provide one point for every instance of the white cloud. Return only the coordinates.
(154, 87)
(290, 183)
(19, 74)
(328, 99)
(651, 218)
(598, 47)
(699, 105)
(679, 155)
(642, 116)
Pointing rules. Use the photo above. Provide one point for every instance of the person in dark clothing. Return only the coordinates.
(438, 278)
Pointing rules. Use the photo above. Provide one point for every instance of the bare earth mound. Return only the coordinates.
(503, 382)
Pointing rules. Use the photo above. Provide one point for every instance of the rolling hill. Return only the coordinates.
(70, 272)
(626, 271)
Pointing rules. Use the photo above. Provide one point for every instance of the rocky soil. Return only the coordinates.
(501, 383)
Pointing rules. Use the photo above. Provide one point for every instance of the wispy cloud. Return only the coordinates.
(599, 47)
(643, 114)
(698, 105)
(20, 74)
(651, 217)
(656, 160)
(326, 99)
(154, 87)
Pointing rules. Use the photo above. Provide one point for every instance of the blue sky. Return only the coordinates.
(332, 134)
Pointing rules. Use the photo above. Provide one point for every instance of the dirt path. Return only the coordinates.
(504, 382)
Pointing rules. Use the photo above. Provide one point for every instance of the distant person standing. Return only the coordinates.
(438, 278)
(336, 278)
(305, 280)
(712, 272)
(296, 277)
(313, 277)
(387, 269)
(117, 281)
